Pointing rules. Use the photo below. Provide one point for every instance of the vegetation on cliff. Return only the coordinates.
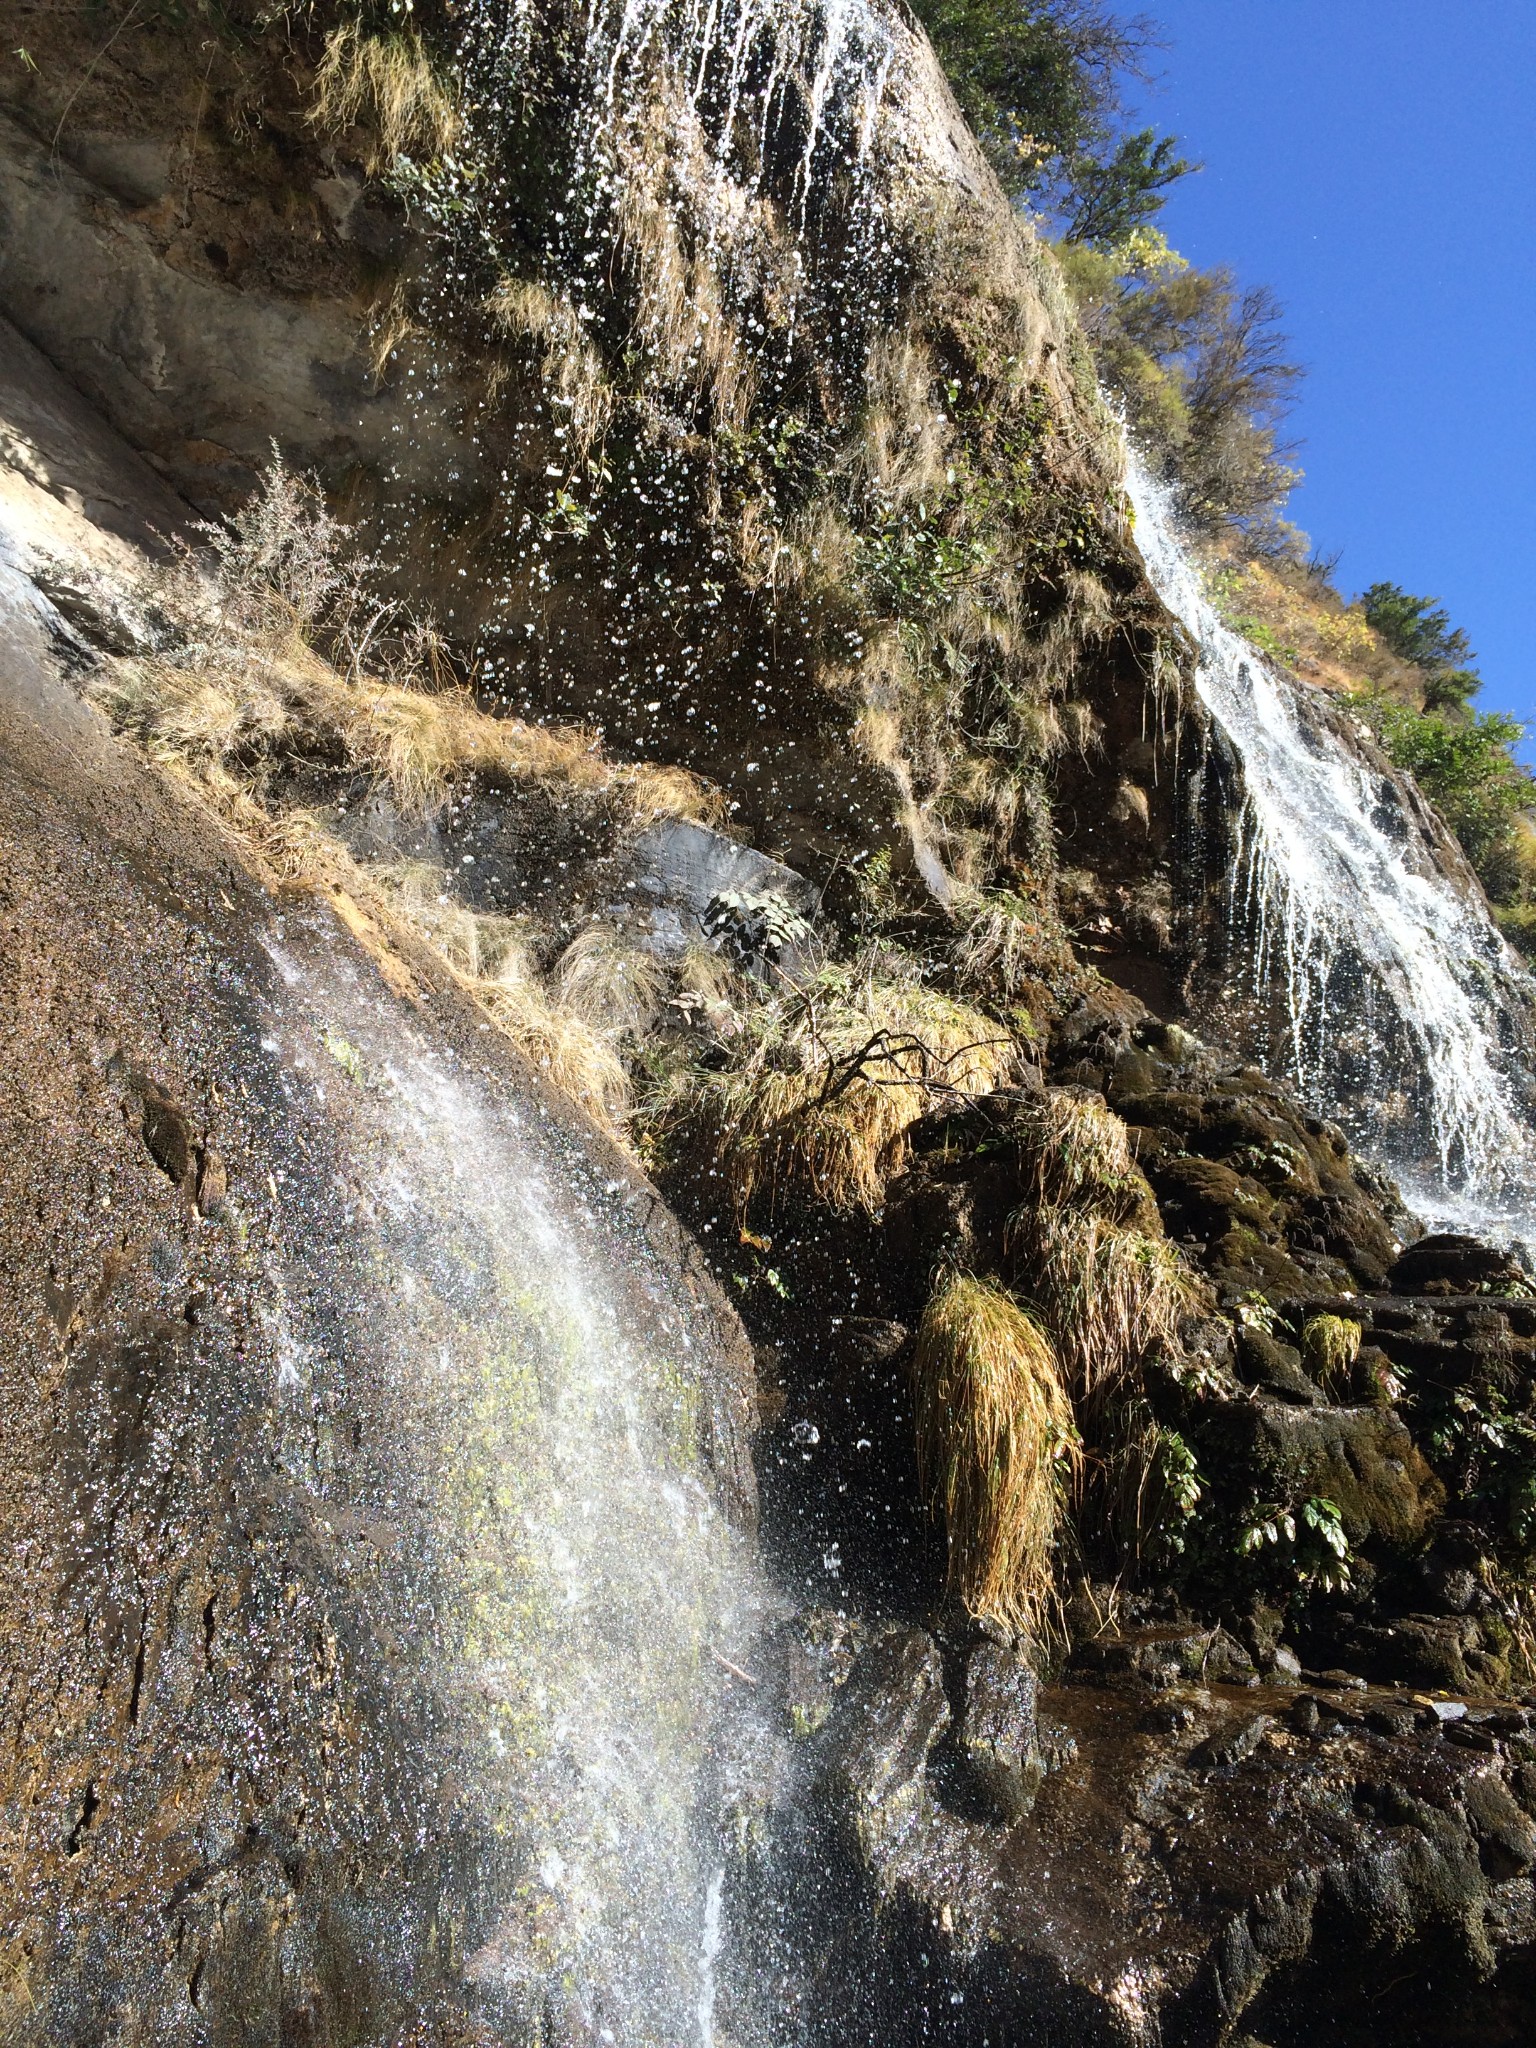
(836, 514)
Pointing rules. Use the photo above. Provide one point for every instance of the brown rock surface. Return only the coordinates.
(293, 1272)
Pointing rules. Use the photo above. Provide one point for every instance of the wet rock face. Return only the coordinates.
(1202, 1863)
(1268, 1197)
(1448, 1263)
(298, 1271)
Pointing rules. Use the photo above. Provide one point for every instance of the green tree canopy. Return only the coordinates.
(1041, 82)
(1420, 630)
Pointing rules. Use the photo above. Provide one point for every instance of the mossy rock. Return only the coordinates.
(1362, 1459)
(1212, 1199)
(1164, 1109)
(1276, 1368)
(1244, 1260)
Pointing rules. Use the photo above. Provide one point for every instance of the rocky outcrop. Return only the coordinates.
(1203, 1862)
(318, 1306)
(369, 1418)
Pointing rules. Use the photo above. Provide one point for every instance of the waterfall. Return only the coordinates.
(1398, 1008)
(553, 1372)
(686, 116)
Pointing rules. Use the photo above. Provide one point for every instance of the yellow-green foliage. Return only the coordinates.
(1076, 1153)
(828, 1081)
(1330, 1345)
(997, 1448)
(1112, 1295)
(1007, 942)
(385, 83)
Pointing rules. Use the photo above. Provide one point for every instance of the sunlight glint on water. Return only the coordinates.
(1351, 920)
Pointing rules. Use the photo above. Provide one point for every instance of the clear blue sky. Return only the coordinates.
(1375, 162)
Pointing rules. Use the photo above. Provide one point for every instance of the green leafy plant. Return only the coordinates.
(1308, 1543)
(912, 568)
(1466, 766)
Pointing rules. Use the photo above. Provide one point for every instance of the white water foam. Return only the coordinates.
(1406, 1012)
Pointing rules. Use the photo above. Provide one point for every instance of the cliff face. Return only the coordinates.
(318, 1306)
(598, 413)
(758, 712)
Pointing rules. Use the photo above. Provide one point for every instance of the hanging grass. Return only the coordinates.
(1112, 1295)
(1330, 1346)
(1075, 1152)
(997, 1449)
(387, 85)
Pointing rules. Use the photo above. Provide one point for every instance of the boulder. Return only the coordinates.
(875, 1747)
(1363, 1459)
(999, 1734)
(1275, 1368)
(1209, 1199)
(1447, 1262)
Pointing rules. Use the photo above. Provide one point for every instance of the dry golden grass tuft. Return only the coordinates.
(997, 1448)
(1006, 942)
(581, 1062)
(386, 84)
(1112, 1295)
(1076, 1153)
(609, 982)
(828, 1081)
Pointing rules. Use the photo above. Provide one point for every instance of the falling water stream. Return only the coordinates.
(1399, 1009)
(598, 1581)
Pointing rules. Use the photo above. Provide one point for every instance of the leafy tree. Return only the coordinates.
(1419, 629)
(1200, 367)
(1041, 82)
(1111, 198)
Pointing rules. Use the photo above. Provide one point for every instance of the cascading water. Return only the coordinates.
(745, 98)
(1395, 1003)
(597, 1581)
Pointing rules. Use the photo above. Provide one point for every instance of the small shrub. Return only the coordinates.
(1466, 766)
(997, 1449)
(1112, 1296)
(825, 1082)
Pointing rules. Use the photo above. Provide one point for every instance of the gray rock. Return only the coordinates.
(1232, 1745)
(1466, 1736)
(879, 1736)
(999, 1736)
(680, 862)
(819, 1653)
